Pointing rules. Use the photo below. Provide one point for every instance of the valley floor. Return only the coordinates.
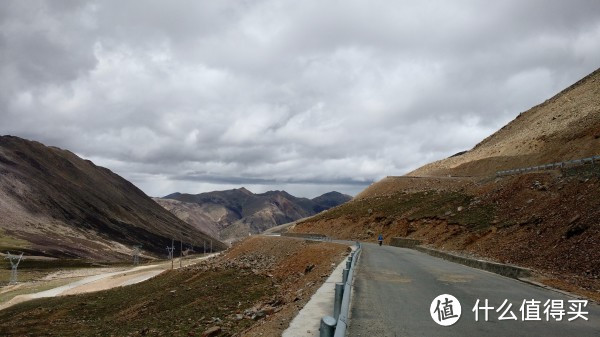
(79, 281)
(254, 289)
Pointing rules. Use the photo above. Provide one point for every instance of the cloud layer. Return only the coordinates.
(306, 96)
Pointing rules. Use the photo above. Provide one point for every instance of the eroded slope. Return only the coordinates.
(56, 204)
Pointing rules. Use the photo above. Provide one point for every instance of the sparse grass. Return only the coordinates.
(23, 275)
(8, 243)
(31, 270)
(150, 308)
(34, 287)
(57, 264)
(415, 206)
(583, 171)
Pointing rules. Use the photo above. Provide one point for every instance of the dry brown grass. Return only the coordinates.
(565, 127)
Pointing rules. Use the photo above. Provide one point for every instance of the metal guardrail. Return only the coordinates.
(336, 326)
(308, 236)
(551, 166)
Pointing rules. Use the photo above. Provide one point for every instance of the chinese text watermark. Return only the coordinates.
(445, 310)
(533, 310)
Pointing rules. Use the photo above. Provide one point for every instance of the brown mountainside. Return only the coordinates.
(208, 218)
(235, 213)
(546, 220)
(54, 203)
(565, 127)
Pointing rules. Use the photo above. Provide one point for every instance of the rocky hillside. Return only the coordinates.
(207, 218)
(256, 289)
(545, 220)
(565, 127)
(54, 203)
(235, 213)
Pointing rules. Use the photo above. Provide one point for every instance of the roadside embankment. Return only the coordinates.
(493, 267)
(543, 221)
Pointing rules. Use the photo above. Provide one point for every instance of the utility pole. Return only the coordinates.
(211, 246)
(14, 262)
(190, 249)
(136, 254)
(180, 253)
(204, 250)
(170, 250)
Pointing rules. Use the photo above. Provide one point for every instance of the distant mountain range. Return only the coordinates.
(235, 213)
(56, 204)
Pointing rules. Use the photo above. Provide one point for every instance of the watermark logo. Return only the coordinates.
(533, 310)
(445, 310)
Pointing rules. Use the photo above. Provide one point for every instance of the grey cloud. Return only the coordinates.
(242, 180)
(302, 95)
(40, 46)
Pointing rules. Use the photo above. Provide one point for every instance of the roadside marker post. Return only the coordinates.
(327, 328)
(337, 303)
(345, 275)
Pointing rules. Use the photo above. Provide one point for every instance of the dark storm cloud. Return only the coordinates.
(303, 95)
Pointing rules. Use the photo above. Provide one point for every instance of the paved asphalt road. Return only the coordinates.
(394, 289)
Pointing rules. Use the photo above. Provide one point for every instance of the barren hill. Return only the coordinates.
(207, 218)
(565, 127)
(235, 213)
(56, 204)
(544, 220)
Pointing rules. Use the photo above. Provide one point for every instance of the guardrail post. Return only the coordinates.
(327, 328)
(345, 275)
(337, 303)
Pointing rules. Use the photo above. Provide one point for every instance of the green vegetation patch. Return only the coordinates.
(176, 303)
(36, 269)
(11, 243)
(58, 264)
(414, 206)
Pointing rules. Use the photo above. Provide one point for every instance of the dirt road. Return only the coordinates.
(102, 281)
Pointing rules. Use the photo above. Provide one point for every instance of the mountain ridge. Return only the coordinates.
(57, 204)
(237, 212)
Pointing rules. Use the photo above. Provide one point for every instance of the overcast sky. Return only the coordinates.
(306, 96)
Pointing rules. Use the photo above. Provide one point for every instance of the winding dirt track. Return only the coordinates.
(103, 281)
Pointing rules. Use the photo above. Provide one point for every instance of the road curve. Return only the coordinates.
(394, 289)
(103, 281)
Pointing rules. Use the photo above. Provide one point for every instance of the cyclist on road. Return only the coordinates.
(380, 239)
